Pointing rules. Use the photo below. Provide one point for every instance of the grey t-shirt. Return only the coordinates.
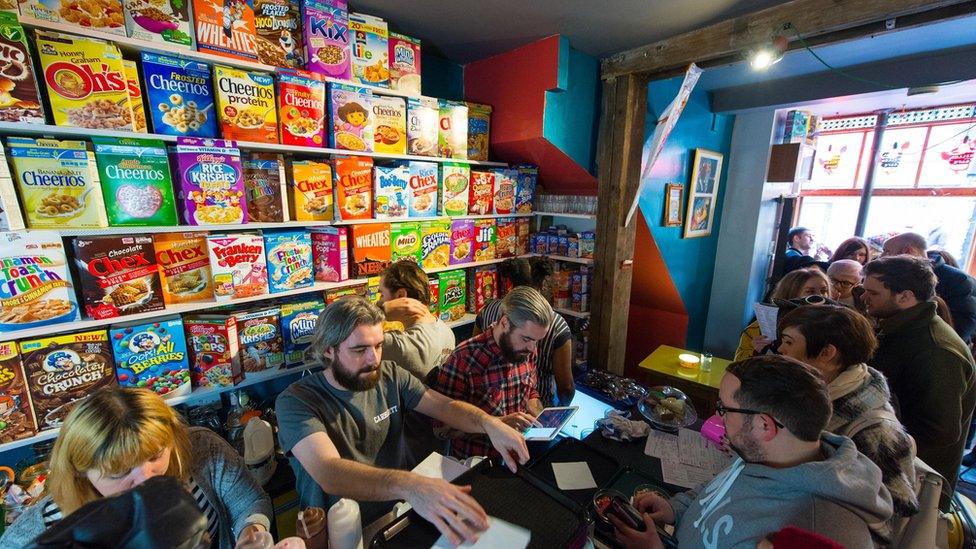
(364, 426)
(420, 348)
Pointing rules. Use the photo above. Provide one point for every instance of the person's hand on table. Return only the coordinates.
(508, 441)
(520, 421)
(633, 539)
(448, 507)
(655, 506)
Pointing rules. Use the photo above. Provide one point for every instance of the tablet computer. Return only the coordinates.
(552, 420)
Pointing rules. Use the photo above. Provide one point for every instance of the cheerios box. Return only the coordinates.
(100, 15)
(422, 188)
(435, 244)
(39, 288)
(390, 190)
(453, 292)
(369, 40)
(298, 321)
(455, 179)
(135, 179)
(152, 355)
(353, 188)
(389, 124)
(215, 356)
(166, 22)
(211, 182)
(246, 105)
(310, 191)
(326, 28)
(301, 108)
(350, 110)
(289, 257)
(370, 249)
(226, 28)
(180, 97)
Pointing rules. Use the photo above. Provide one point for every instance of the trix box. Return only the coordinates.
(152, 355)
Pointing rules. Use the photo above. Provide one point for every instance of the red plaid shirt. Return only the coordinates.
(476, 373)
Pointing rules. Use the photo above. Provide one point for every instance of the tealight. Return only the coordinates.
(689, 360)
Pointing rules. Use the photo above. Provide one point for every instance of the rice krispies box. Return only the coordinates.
(369, 41)
(484, 239)
(481, 200)
(452, 137)
(264, 186)
(390, 184)
(422, 187)
(226, 28)
(505, 191)
(259, 336)
(136, 181)
(405, 242)
(350, 108)
(118, 275)
(310, 196)
(389, 124)
(36, 281)
(506, 237)
(184, 267)
(152, 355)
(23, 99)
(462, 241)
(454, 195)
(435, 244)
(370, 249)
(301, 108)
(452, 294)
(330, 254)
(16, 414)
(165, 22)
(238, 265)
(298, 321)
(211, 181)
(423, 114)
(215, 357)
(278, 25)
(353, 188)
(404, 63)
(326, 27)
(526, 178)
(179, 95)
(246, 105)
(289, 256)
(135, 96)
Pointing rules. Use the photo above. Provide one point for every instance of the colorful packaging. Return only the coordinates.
(330, 254)
(524, 230)
(179, 96)
(435, 295)
(370, 249)
(462, 241)
(455, 179)
(298, 321)
(390, 193)
(587, 245)
(259, 337)
(118, 275)
(211, 182)
(226, 29)
(354, 188)
(77, 99)
(289, 258)
(525, 181)
(349, 109)
(57, 183)
(135, 179)
(135, 96)
(369, 41)
(11, 218)
(152, 355)
(482, 286)
(479, 128)
(326, 26)
(277, 24)
(359, 290)
(36, 282)
(165, 22)
(61, 371)
(264, 187)
(238, 265)
(15, 403)
(246, 105)
(389, 124)
(301, 107)
(404, 63)
(310, 197)
(484, 239)
(482, 197)
(435, 244)
(452, 293)
(505, 191)
(423, 114)
(405, 242)
(215, 358)
(20, 100)
(506, 237)
(423, 189)
(103, 16)
(184, 267)
(452, 137)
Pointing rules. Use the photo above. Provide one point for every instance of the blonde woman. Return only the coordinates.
(118, 438)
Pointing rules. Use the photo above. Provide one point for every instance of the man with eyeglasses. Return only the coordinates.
(788, 471)
(844, 275)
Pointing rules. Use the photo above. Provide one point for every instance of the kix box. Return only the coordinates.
(152, 355)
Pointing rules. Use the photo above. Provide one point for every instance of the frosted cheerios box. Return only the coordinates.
(180, 97)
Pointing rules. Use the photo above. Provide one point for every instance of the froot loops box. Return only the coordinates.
(152, 355)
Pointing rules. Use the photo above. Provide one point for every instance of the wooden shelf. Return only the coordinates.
(417, 219)
(566, 215)
(581, 260)
(570, 312)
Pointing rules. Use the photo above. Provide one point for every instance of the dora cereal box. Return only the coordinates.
(370, 249)
(405, 242)
(152, 355)
(452, 294)
(301, 108)
(226, 28)
(215, 358)
(136, 181)
(390, 184)
(63, 370)
(101, 15)
(452, 137)
(423, 189)
(184, 267)
(326, 28)
(180, 96)
(479, 128)
(310, 196)
(506, 237)
(369, 41)
(455, 179)
(435, 244)
(16, 414)
(484, 239)
(404, 63)
(20, 100)
(481, 199)
(289, 257)
(349, 110)
(264, 187)
(505, 191)
(238, 265)
(135, 96)
(526, 178)
(354, 188)
(166, 22)
(57, 183)
(278, 25)
(298, 321)
(35, 282)
(211, 182)
(246, 105)
(389, 124)
(423, 115)
(330, 253)
(462, 241)
(259, 338)
(118, 275)
(482, 286)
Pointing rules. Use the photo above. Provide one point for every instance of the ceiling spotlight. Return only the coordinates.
(768, 54)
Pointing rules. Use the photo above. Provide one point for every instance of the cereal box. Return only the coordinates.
(165, 22)
(184, 267)
(211, 181)
(455, 179)
(390, 193)
(179, 96)
(264, 187)
(374, 296)
(423, 114)
(452, 137)
(135, 96)
(326, 26)
(238, 265)
(330, 254)
(246, 105)
(301, 108)
(20, 100)
(310, 197)
(389, 124)
(482, 286)
(298, 321)
(226, 28)
(423, 189)
(118, 275)
(587, 245)
(524, 229)
(525, 181)
(57, 183)
(452, 294)
(369, 41)
(278, 25)
(370, 249)
(405, 242)
(63, 370)
(36, 281)
(484, 239)
(135, 179)
(16, 415)
(359, 290)
(289, 255)
(101, 15)
(152, 355)
(479, 127)
(354, 188)
(11, 218)
(259, 338)
(435, 244)
(482, 196)
(435, 295)
(215, 358)
(462, 241)
(506, 237)
(505, 191)
(349, 109)
(404, 63)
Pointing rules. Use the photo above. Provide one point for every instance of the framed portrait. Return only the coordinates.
(673, 193)
(705, 175)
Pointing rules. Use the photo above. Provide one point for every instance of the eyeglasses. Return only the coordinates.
(721, 410)
(842, 283)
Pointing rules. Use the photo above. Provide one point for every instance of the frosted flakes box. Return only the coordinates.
(100, 15)
(77, 99)
(15, 403)
(370, 249)
(353, 188)
(405, 242)
(20, 99)
(462, 241)
(289, 258)
(310, 196)
(166, 22)
(350, 108)
(35, 283)
(330, 253)
(505, 191)
(237, 265)
(246, 105)
(481, 199)
(452, 294)
(179, 96)
(226, 28)
(326, 29)
(135, 96)
(264, 187)
(423, 115)
(390, 190)
(506, 237)
(57, 183)
(215, 357)
(369, 41)
(298, 321)
(211, 181)
(525, 182)
(423, 189)
(482, 286)
(452, 137)
(435, 244)
(455, 179)
(278, 26)
(260, 340)
(404, 63)
(389, 124)
(301, 108)
(184, 267)
(118, 275)
(484, 239)
(152, 355)
(136, 181)
(479, 131)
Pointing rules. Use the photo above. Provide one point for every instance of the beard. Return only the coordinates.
(355, 380)
(746, 446)
(884, 310)
(509, 352)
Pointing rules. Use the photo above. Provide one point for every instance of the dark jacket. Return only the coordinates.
(958, 289)
(931, 374)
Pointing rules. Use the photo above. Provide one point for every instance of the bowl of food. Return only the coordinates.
(611, 503)
(667, 408)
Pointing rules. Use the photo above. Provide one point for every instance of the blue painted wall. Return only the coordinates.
(441, 78)
(570, 120)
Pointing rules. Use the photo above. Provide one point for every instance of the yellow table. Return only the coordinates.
(661, 368)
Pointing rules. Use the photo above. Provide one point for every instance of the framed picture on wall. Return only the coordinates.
(705, 174)
(673, 193)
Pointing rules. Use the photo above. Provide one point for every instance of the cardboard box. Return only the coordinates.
(310, 196)
(454, 189)
(435, 244)
(260, 340)
(15, 401)
(404, 63)
(330, 253)
(484, 239)
(350, 110)
(289, 258)
(238, 265)
(135, 177)
(353, 188)
(405, 242)
(370, 249)
(184, 267)
(210, 181)
(39, 285)
(298, 321)
(482, 286)
(452, 294)
(215, 359)
(423, 114)
(265, 187)
(462, 241)
(389, 124)
(118, 275)
(369, 41)
(326, 28)
(236, 37)
(152, 355)
(390, 191)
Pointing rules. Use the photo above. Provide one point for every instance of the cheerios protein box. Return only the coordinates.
(246, 105)
(179, 95)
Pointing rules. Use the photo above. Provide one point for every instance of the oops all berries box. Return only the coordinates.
(152, 355)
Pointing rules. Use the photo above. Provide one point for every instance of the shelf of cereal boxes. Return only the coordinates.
(468, 318)
(466, 265)
(432, 218)
(565, 215)
(128, 230)
(582, 260)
